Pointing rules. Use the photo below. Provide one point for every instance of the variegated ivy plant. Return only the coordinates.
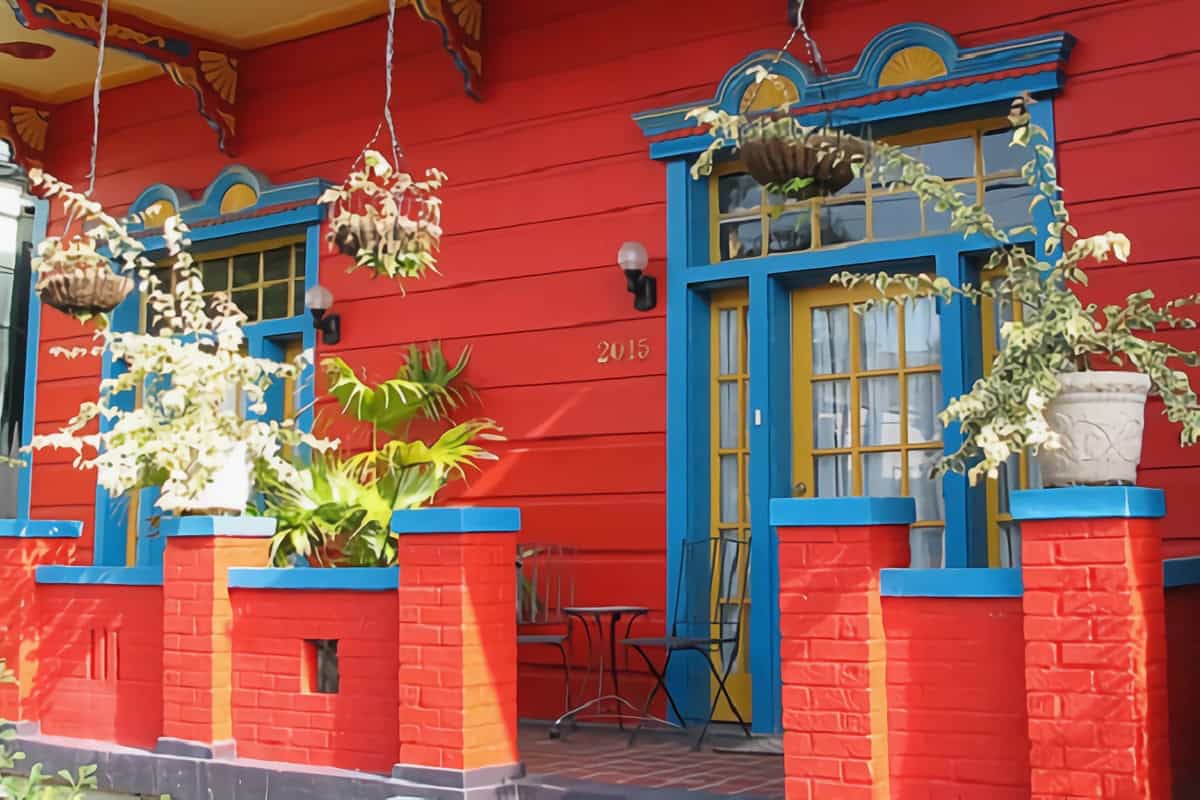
(184, 429)
(1003, 413)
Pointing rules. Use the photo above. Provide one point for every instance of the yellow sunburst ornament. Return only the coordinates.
(912, 65)
(31, 125)
(221, 72)
(470, 16)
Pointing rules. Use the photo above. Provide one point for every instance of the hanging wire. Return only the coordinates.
(91, 176)
(387, 98)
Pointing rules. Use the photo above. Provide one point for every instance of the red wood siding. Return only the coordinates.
(549, 176)
(1183, 690)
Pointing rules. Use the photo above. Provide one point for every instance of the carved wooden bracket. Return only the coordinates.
(23, 124)
(461, 23)
(209, 69)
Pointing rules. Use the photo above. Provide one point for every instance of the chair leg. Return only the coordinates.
(659, 683)
(566, 664)
(721, 677)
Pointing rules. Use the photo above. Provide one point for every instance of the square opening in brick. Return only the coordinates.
(319, 673)
(103, 663)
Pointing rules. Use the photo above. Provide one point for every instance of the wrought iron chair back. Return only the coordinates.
(712, 592)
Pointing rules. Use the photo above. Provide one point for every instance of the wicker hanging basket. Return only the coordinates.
(780, 150)
(86, 289)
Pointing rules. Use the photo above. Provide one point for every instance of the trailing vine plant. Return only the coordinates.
(1003, 413)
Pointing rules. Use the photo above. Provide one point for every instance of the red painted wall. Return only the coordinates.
(1183, 688)
(956, 698)
(549, 176)
(100, 662)
(276, 717)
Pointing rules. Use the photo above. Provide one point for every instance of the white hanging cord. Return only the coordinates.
(387, 98)
(96, 97)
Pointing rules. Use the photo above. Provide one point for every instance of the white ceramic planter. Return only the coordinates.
(229, 489)
(1100, 417)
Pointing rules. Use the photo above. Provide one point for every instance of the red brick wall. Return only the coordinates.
(956, 698)
(274, 719)
(1183, 688)
(82, 690)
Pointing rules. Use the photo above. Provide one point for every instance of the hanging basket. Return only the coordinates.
(779, 150)
(84, 290)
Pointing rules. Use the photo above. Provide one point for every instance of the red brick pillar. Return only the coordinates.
(197, 628)
(1095, 642)
(458, 646)
(832, 642)
(24, 545)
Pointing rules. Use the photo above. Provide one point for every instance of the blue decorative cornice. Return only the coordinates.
(972, 76)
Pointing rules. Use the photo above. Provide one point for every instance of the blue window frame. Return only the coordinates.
(909, 77)
(239, 208)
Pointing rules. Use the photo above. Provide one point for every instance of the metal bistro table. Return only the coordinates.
(596, 614)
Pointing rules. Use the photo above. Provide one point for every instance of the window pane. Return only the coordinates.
(844, 222)
(1008, 201)
(299, 250)
(939, 221)
(727, 343)
(275, 301)
(879, 410)
(999, 156)
(924, 403)
(895, 215)
(881, 474)
(730, 487)
(831, 414)
(926, 545)
(924, 489)
(298, 297)
(833, 476)
(792, 231)
(215, 275)
(729, 415)
(831, 340)
(951, 159)
(922, 332)
(247, 301)
(879, 337)
(277, 264)
(741, 239)
(1010, 544)
(738, 193)
(245, 269)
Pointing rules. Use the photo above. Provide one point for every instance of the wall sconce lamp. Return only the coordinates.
(318, 299)
(632, 260)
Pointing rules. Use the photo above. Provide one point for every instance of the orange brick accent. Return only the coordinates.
(197, 633)
(1095, 658)
(458, 650)
(833, 651)
(19, 632)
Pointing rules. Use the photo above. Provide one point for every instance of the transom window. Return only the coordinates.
(264, 282)
(975, 158)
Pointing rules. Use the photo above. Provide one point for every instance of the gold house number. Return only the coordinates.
(628, 350)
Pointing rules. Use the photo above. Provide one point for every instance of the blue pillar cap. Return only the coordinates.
(841, 512)
(463, 519)
(40, 529)
(1089, 502)
(237, 527)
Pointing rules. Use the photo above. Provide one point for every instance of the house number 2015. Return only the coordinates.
(628, 350)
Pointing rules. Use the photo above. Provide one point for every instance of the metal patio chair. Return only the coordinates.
(545, 586)
(711, 594)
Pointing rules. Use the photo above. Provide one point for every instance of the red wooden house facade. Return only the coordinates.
(630, 433)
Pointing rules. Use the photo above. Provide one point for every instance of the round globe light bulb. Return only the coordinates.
(318, 298)
(632, 257)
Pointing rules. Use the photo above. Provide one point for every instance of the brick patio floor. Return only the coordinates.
(663, 762)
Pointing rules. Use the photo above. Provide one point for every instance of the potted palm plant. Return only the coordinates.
(1069, 380)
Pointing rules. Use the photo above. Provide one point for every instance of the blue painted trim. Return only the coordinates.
(33, 339)
(462, 519)
(353, 579)
(842, 512)
(296, 217)
(235, 527)
(1089, 502)
(1048, 50)
(109, 576)
(40, 529)
(208, 206)
(1179, 572)
(949, 582)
